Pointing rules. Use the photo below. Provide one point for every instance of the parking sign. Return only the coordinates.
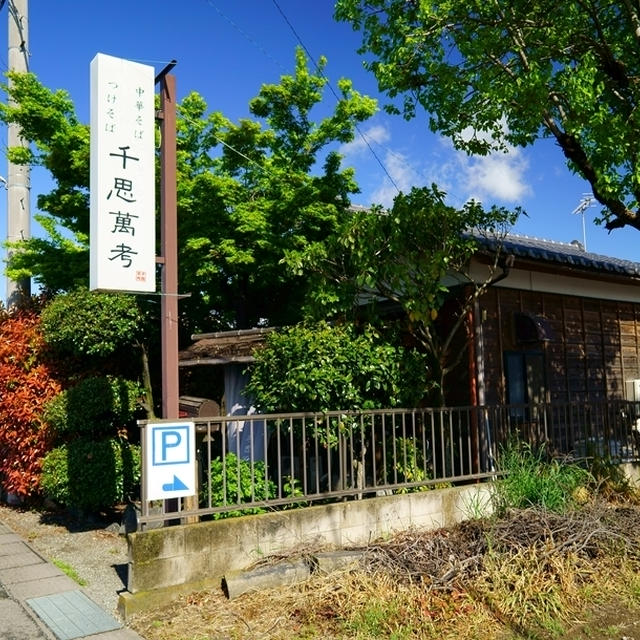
(170, 460)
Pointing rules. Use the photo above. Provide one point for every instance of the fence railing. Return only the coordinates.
(252, 463)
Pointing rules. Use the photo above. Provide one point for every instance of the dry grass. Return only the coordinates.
(341, 605)
(530, 575)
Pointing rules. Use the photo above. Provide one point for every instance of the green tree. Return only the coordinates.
(507, 72)
(275, 186)
(408, 260)
(95, 333)
(247, 192)
(60, 143)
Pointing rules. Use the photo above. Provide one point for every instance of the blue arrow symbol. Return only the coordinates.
(176, 485)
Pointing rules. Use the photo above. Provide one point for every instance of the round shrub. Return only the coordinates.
(90, 323)
(322, 368)
(95, 406)
(91, 475)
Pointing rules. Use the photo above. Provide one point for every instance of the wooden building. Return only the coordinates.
(562, 326)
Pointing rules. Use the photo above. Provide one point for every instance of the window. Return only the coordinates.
(524, 376)
(531, 328)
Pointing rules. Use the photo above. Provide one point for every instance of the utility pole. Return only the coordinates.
(18, 176)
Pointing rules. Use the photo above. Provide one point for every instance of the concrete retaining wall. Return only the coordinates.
(632, 471)
(165, 563)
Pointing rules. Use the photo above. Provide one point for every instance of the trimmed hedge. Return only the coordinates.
(91, 475)
(95, 407)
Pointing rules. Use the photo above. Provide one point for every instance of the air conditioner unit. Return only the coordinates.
(633, 390)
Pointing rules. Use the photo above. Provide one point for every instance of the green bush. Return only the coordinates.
(85, 323)
(410, 463)
(91, 475)
(324, 368)
(530, 480)
(95, 406)
(237, 481)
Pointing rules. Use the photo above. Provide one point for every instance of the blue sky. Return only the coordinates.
(227, 48)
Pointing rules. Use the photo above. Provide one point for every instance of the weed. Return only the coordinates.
(373, 619)
(530, 588)
(68, 570)
(553, 627)
(613, 630)
(532, 480)
(476, 505)
(634, 589)
(609, 477)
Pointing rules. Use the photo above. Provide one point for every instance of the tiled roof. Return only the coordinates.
(223, 347)
(561, 253)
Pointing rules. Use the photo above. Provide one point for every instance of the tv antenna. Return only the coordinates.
(587, 201)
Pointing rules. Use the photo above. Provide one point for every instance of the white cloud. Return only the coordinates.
(498, 175)
(404, 177)
(376, 134)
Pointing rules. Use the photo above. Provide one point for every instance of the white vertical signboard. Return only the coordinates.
(122, 194)
(170, 460)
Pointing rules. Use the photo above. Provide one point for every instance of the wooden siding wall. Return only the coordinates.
(595, 346)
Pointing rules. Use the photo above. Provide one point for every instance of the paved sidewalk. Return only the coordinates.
(39, 602)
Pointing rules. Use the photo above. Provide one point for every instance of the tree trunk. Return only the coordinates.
(146, 381)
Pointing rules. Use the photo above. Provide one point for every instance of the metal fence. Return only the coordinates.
(252, 463)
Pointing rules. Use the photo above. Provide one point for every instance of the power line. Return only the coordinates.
(333, 91)
(268, 55)
(247, 36)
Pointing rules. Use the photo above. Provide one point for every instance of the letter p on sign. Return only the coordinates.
(170, 444)
(169, 460)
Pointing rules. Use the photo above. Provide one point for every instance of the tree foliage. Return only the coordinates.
(510, 71)
(95, 407)
(96, 333)
(274, 186)
(247, 192)
(85, 323)
(27, 383)
(406, 260)
(322, 367)
(91, 475)
(59, 143)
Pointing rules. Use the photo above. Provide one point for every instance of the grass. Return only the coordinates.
(534, 588)
(515, 598)
(68, 570)
(530, 479)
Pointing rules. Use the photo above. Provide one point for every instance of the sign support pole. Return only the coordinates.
(169, 259)
(169, 244)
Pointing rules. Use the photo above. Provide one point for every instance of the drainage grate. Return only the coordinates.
(72, 615)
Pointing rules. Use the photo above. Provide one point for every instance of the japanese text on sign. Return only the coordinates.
(122, 195)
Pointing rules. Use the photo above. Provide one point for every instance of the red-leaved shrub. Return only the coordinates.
(26, 384)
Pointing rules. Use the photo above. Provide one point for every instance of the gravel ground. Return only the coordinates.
(94, 549)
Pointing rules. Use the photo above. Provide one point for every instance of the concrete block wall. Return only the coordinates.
(164, 563)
